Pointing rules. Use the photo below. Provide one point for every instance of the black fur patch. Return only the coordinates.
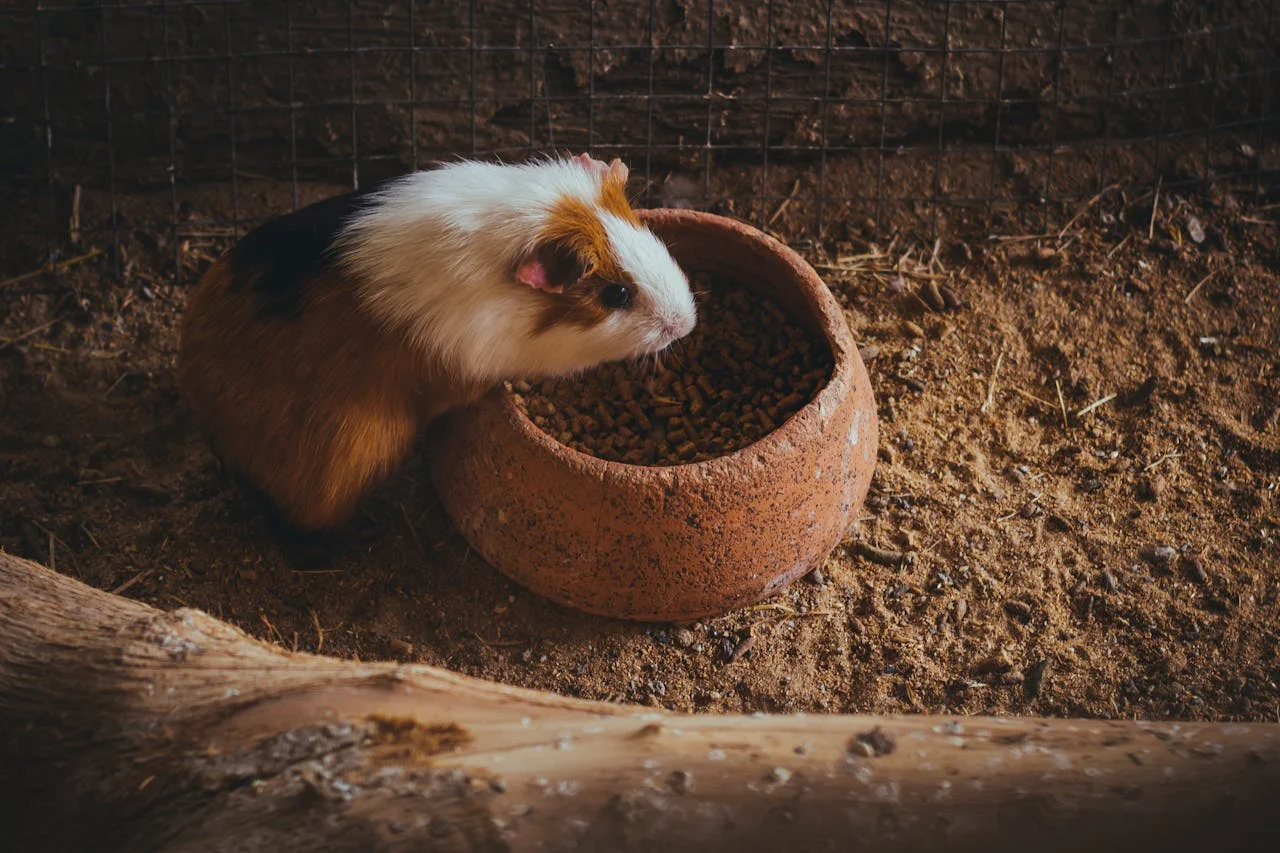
(281, 256)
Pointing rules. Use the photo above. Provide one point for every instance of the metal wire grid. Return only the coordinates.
(127, 97)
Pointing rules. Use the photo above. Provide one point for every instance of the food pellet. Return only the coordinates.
(745, 369)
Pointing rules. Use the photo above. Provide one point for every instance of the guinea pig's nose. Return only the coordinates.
(681, 325)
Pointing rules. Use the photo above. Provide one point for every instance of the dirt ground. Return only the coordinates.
(1079, 469)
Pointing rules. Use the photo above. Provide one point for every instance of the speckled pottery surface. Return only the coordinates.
(682, 542)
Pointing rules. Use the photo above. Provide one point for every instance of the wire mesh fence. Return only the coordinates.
(190, 120)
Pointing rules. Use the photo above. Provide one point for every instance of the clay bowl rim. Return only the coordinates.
(832, 324)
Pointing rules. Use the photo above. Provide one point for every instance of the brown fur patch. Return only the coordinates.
(613, 198)
(575, 224)
(313, 411)
(578, 306)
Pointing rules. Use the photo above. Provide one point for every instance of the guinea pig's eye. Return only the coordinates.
(615, 295)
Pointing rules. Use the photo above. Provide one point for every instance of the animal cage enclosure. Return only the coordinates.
(180, 121)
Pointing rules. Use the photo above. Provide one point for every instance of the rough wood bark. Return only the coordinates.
(124, 728)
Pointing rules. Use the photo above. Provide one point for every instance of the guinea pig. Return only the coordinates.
(320, 346)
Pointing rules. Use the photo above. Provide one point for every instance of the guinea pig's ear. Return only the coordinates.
(591, 164)
(615, 171)
(553, 267)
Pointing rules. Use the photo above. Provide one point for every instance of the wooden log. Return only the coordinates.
(125, 728)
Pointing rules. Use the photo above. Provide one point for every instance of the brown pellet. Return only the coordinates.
(930, 293)
(791, 401)
(638, 413)
(745, 369)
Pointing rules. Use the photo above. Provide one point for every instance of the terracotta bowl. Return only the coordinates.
(687, 541)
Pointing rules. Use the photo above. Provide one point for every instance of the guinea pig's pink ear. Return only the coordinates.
(590, 163)
(616, 171)
(553, 267)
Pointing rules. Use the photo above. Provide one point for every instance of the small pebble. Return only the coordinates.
(912, 329)
(880, 556)
(401, 647)
(932, 297)
(684, 638)
(1108, 581)
(950, 298)
(747, 644)
(1046, 254)
(1035, 678)
(816, 577)
(1018, 610)
(868, 353)
(1195, 230)
(1161, 556)
(1012, 677)
(1195, 568)
(1151, 488)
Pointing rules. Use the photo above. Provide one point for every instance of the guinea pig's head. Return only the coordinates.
(523, 269)
(599, 285)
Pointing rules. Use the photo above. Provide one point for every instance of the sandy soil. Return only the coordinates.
(1079, 471)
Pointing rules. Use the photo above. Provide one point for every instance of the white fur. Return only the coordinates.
(436, 251)
(663, 284)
